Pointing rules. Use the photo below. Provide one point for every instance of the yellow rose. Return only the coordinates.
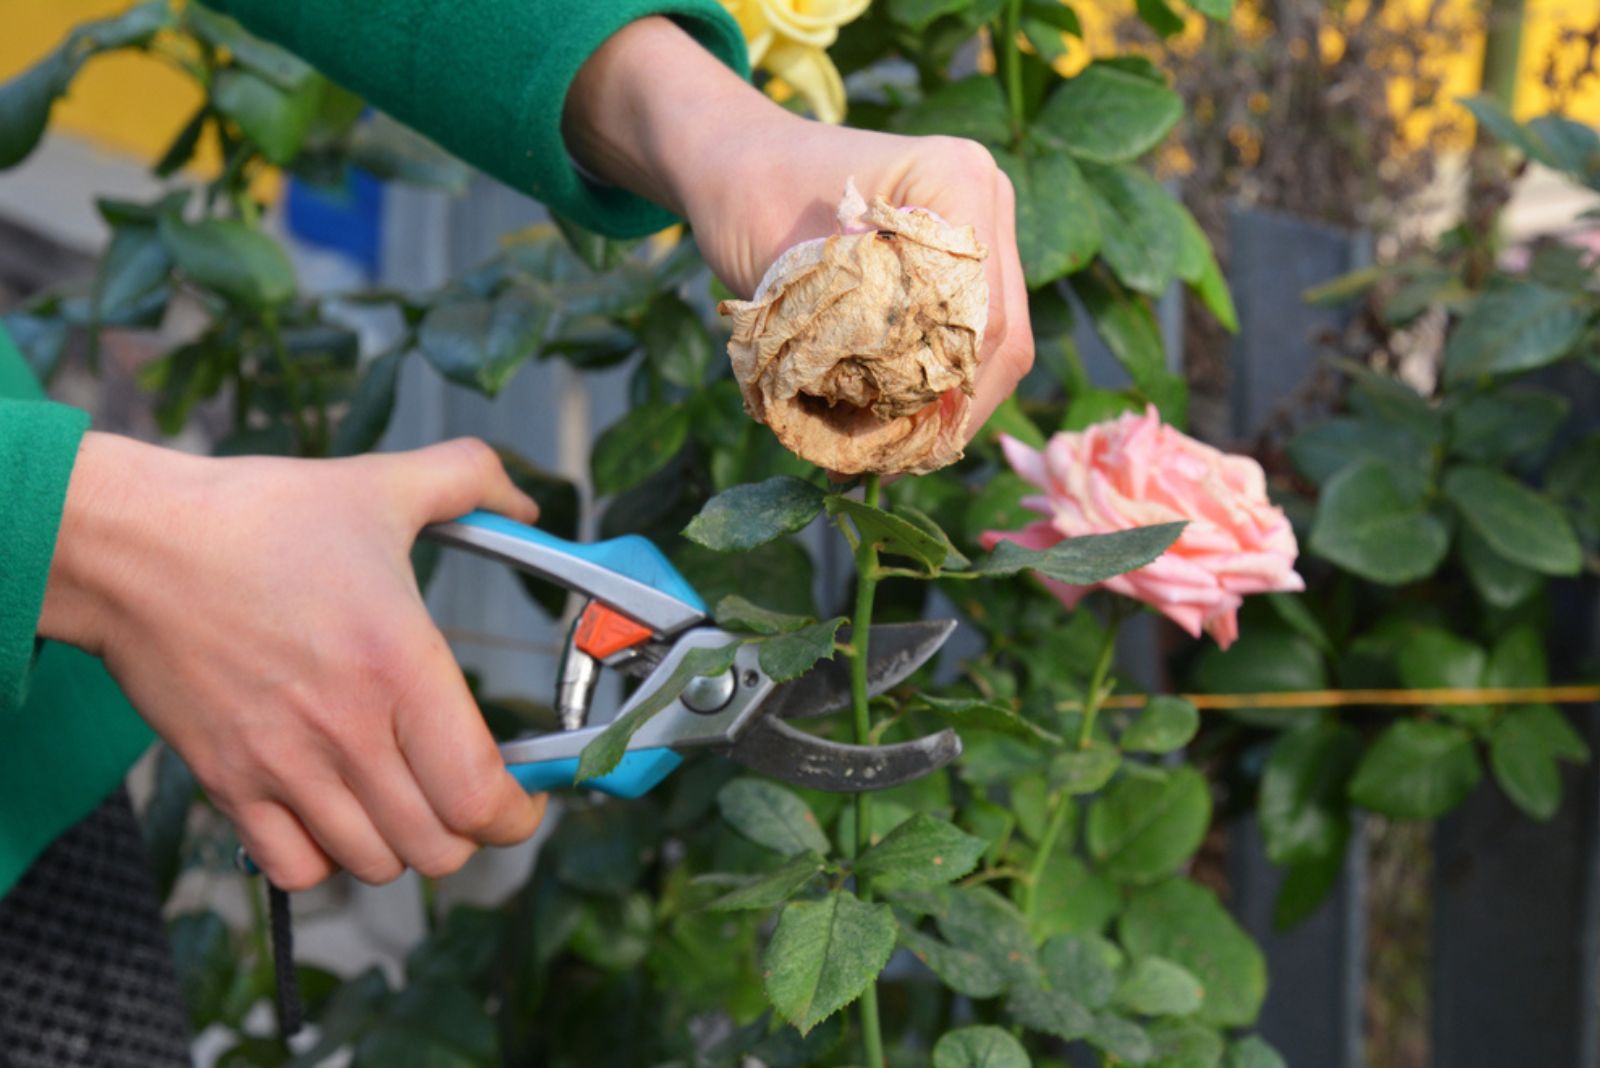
(789, 38)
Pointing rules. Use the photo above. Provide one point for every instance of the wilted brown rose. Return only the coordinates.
(859, 349)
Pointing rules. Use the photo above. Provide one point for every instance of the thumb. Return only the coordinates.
(448, 480)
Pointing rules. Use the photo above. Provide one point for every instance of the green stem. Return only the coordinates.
(1060, 802)
(866, 554)
(1097, 679)
(1061, 808)
(1013, 67)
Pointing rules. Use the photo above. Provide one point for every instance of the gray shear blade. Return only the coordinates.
(774, 748)
(894, 651)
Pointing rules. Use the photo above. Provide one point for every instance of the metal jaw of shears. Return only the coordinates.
(643, 618)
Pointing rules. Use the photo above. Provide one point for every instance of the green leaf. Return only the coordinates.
(1570, 480)
(1185, 1044)
(1514, 328)
(1302, 804)
(750, 515)
(1010, 419)
(676, 342)
(481, 344)
(916, 14)
(371, 406)
(1140, 224)
(1263, 661)
(890, 533)
(1524, 765)
(203, 956)
(735, 613)
(637, 446)
(981, 1046)
(25, 103)
(1306, 885)
(1141, 829)
(1125, 322)
(1118, 1037)
(772, 816)
(1429, 657)
(1493, 116)
(788, 656)
(166, 817)
(1217, 10)
(976, 714)
(1086, 560)
(1164, 723)
(922, 851)
(961, 970)
(1050, 1012)
(998, 505)
(1197, 265)
(1387, 399)
(391, 151)
(1155, 986)
(1416, 770)
(1107, 115)
(1498, 581)
(954, 559)
(136, 264)
(1517, 523)
(1506, 423)
(974, 107)
(603, 753)
(1252, 1052)
(1184, 922)
(598, 252)
(976, 919)
(230, 258)
(1058, 231)
(779, 572)
(1375, 523)
(823, 955)
(432, 1024)
(774, 888)
(1327, 448)
(1083, 771)
(276, 121)
(1082, 965)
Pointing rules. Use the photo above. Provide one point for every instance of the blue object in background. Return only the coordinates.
(347, 219)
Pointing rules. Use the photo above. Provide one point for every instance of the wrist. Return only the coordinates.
(109, 521)
(657, 114)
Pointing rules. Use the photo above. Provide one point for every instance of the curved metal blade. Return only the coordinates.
(774, 748)
(894, 651)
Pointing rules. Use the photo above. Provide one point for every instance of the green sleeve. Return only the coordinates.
(38, 445)
(487, 79)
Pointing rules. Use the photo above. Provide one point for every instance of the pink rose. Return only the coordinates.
(1133, 472)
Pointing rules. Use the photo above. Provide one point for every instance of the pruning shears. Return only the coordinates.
(643, 618)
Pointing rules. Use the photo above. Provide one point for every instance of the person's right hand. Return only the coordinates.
(262, 615)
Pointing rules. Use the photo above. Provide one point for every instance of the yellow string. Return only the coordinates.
(1499, 695)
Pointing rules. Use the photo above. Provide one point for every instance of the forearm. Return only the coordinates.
(655, 113)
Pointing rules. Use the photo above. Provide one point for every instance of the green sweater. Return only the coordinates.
(486, 79)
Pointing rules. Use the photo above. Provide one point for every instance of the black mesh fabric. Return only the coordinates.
(86, 977)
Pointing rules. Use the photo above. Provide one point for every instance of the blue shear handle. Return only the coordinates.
(639, 772)
(631, 555)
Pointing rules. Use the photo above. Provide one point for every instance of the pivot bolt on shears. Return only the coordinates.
(643, 618)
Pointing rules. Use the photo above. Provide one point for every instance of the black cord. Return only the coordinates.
(291, 1013)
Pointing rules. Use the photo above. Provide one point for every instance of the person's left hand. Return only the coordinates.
(781, 185)
(654, 112)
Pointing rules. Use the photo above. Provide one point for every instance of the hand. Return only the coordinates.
(262, 616)
(659, 115)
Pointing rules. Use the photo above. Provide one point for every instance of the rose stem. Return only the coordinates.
(1060, 805)
(866, 552)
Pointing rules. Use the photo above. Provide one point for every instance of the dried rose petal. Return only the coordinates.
(859, 349)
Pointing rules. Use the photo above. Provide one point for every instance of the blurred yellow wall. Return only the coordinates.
(135, 104)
